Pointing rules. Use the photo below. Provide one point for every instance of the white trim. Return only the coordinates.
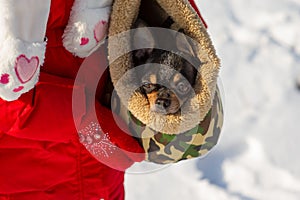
(9, 52)
(24, 19)
(85, 15)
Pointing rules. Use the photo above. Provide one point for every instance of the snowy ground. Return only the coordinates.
(258, 154)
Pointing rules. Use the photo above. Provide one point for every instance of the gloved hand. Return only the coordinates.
(22, 47)
(107, 142)
(87, 26)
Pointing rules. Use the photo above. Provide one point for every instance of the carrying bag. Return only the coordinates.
(172, 137)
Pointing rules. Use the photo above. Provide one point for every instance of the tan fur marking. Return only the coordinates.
(153, 79)
(152, 98)
(177, 77)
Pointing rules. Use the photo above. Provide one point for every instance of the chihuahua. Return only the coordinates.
(168, 86)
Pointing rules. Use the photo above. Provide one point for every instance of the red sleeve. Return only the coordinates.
(192, 2)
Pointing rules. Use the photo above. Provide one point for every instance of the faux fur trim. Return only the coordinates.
(86, 16)
(24, 19)
(123, 15)
(11, 83)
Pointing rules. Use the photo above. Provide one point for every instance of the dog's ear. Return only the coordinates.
(185, 44)
(142, 40)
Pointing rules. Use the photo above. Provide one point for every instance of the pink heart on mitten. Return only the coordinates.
(100, 30)
(18, 89)
(25, 68)
(84, 41)
(4, 79)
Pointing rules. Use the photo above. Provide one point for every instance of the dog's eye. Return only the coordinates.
(148, 87)
(183, 87)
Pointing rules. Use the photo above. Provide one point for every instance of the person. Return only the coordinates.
(42, 155)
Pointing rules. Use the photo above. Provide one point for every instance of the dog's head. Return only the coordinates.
(168, 86)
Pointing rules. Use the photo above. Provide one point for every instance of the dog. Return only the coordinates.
(168, 86)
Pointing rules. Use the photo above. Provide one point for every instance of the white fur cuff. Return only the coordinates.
(87, 27)
(19, 67)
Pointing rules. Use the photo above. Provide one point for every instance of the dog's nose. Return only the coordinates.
(163, 103)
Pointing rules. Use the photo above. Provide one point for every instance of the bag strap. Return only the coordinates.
(193, 4)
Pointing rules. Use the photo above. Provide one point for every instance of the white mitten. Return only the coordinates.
(87, 27)
(22, 50)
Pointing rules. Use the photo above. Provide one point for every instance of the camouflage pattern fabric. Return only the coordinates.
(165, 148)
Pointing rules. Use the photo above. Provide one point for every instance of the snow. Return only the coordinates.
(257, 156)
(256, 177)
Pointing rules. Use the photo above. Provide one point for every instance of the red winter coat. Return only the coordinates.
(40, 153)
